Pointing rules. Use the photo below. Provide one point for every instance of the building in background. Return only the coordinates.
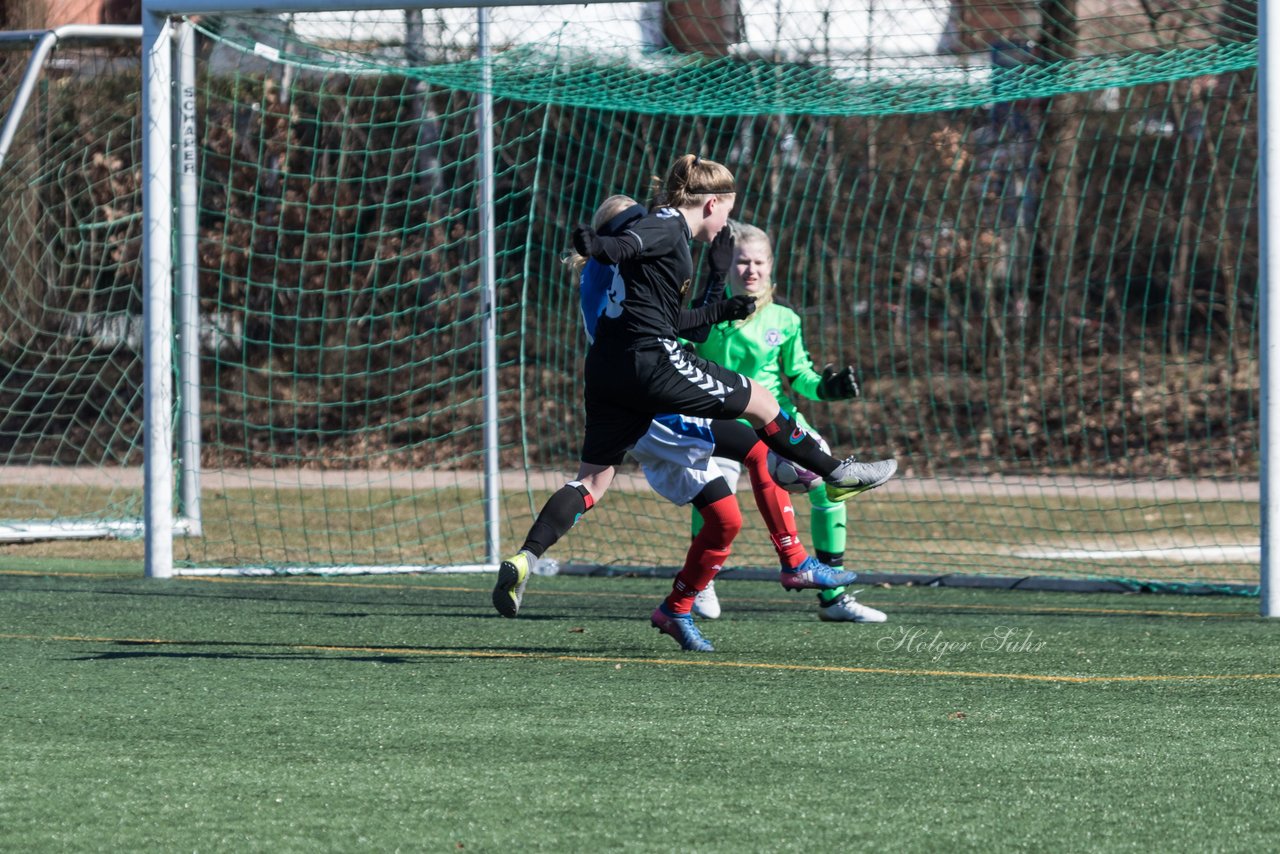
(47, 14)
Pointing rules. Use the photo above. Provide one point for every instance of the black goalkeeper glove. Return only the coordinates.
(838, 385)
(738, 307)
(585, 241)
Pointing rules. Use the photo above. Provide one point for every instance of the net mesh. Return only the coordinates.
(70, 373)
(1029, 225)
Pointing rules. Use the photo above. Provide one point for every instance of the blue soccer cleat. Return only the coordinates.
(682, 628)
(813, 574)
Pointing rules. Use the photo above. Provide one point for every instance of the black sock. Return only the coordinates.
(835, 560)
(558, 515)
(788, 440)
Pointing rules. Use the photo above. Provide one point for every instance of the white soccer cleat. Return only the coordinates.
(706, 604)
(852, 477)
(847, 609)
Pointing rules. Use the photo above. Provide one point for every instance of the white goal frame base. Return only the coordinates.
(350, 569)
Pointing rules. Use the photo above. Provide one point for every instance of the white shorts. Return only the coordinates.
(675, 456)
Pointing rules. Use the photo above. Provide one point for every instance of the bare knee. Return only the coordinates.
(596, 479)
(762, 408)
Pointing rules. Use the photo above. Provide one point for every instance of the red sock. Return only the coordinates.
(721, 522)
(775, 507)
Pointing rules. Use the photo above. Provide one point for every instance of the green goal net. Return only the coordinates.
(70, 230)
(1031, 226)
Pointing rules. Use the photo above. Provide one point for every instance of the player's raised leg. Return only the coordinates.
(844, 478)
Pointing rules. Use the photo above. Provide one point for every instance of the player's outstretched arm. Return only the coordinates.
(610, 250)
(709, 308)
(832, 384)
(695, 324)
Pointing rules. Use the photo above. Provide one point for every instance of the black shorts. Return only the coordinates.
(626, 387)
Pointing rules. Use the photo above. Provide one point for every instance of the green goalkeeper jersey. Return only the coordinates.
(766, 347)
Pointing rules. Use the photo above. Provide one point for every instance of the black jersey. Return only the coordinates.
(656, 268)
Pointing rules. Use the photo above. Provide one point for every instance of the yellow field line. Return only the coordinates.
(677, 662)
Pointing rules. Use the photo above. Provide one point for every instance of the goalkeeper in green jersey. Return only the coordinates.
(766, 347)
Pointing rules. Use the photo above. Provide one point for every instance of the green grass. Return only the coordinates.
(401, 713)
(895, 532)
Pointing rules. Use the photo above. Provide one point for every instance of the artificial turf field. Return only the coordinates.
(381, 714)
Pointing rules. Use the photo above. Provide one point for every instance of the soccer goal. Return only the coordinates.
(69, 425)
(1033, 231)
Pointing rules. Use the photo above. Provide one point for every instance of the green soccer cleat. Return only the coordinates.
(513, 575)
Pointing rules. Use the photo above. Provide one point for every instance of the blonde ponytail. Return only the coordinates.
(691, 180)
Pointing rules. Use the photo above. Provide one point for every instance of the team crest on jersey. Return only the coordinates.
(773, 338)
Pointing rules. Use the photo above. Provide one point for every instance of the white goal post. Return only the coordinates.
(159, 40)
(43, 43)
(42, 46)
(1269, 145)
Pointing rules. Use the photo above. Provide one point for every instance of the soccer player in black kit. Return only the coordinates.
(636, 367)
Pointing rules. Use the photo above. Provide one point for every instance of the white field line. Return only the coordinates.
(1180, 554)
(348, 569)
(630, 480)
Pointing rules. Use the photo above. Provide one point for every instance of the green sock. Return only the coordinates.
(826, 597)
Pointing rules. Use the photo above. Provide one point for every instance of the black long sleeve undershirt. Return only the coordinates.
(706, 310)
(614, 250)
